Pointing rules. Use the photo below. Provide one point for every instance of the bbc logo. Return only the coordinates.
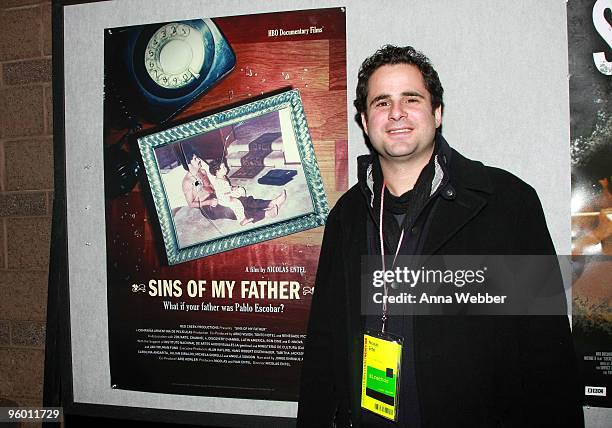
(600, 391)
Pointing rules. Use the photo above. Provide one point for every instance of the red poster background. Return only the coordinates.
(316, 65)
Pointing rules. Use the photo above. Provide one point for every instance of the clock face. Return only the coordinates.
(174, 55)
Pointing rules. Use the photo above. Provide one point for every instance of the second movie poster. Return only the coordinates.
(590, 38)
(225, 144)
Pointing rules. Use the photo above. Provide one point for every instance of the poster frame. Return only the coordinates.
(59, 371)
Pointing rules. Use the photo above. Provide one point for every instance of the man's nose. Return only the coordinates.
(396, 112)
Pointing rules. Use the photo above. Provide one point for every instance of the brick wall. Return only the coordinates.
(26, 194)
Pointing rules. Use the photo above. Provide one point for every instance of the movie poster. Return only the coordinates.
(240, 124)
(590, 63)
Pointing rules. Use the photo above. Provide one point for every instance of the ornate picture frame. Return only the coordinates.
(191, 225)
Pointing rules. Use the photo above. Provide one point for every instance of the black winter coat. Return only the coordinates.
(471, 371)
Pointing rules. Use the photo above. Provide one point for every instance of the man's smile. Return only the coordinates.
(400, 130)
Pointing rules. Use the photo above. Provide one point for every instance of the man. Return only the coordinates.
(476, 371)
(199, 192)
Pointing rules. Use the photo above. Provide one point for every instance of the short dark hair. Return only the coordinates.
(215, 165)
(390, 55)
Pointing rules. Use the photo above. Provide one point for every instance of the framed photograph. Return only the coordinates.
(235, 178)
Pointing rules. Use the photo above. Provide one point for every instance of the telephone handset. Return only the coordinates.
(154, 71)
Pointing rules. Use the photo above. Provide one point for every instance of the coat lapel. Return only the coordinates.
(472, 185)
(449, 216)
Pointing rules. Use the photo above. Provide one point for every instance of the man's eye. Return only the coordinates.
(382, 104)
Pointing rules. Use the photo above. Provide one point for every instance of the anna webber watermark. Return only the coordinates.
(465, 285)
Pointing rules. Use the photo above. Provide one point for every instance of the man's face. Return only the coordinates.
(399, 119)
(196, 163)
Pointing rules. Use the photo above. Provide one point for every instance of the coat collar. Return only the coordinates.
(463, 194)
(469, 174)
(365, 170)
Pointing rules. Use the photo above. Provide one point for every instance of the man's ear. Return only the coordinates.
(438, 116)
(364, 123)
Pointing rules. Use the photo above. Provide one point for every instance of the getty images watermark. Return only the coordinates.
(465, 285)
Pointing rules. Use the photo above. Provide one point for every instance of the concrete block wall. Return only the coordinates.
(26, 196)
